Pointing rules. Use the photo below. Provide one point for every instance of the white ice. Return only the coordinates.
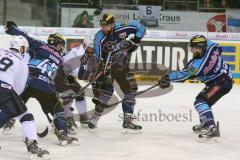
(160, 140)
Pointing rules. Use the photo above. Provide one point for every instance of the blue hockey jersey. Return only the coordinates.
(210, 68)
(121, 32)
(44, 62)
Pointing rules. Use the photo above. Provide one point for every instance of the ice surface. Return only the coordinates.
(160, 140)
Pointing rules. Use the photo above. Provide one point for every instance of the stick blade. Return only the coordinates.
(43, 134)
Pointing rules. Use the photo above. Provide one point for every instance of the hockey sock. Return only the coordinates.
(128, 103)
(29, 130)
(28, 127)
(81, 105)
(60, 121)
(205, 114)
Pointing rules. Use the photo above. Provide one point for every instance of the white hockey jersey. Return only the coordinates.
(72, 60)
(14, 69)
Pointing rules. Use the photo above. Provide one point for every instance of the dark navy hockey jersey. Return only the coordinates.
(44, 62)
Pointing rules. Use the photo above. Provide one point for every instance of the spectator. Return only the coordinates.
(214, 3)
(95, 3)
(83, 21)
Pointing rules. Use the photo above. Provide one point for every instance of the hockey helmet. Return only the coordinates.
(20, 44)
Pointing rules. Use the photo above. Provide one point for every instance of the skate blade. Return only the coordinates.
(66, 143)
(200, 132)
(35, 157)
(84, 125)
(131, 131)
(213, 140)
(73, 132)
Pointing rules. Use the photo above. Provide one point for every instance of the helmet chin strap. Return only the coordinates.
(22, 53)
(59, 48)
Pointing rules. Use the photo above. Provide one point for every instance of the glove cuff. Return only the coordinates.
(136, 40)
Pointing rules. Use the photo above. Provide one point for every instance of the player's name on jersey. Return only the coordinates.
(43, 78)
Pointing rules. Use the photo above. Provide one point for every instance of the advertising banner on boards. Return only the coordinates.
(151, 16)
(233, 20)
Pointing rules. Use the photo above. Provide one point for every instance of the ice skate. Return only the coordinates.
(212, 134)
(35, 152)
(84, 120)
(199, 128)
(92, 123)
(64, 139)
(8, 126)
(129, 126)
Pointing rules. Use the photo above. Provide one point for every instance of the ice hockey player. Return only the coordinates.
(76, 65)
(209, 67)
(106, 40)
(43, 65)
(14, 74)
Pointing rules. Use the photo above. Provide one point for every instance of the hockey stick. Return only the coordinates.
(97, 76)
(138, 93)
(45, 132)
(106, 65)
(161, 67)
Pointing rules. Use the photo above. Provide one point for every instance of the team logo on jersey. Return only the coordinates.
(123, 35)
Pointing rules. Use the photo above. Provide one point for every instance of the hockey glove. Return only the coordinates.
(9, 25)
(108, 47)
(164, 82)
(134, 45)
(125, 44)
